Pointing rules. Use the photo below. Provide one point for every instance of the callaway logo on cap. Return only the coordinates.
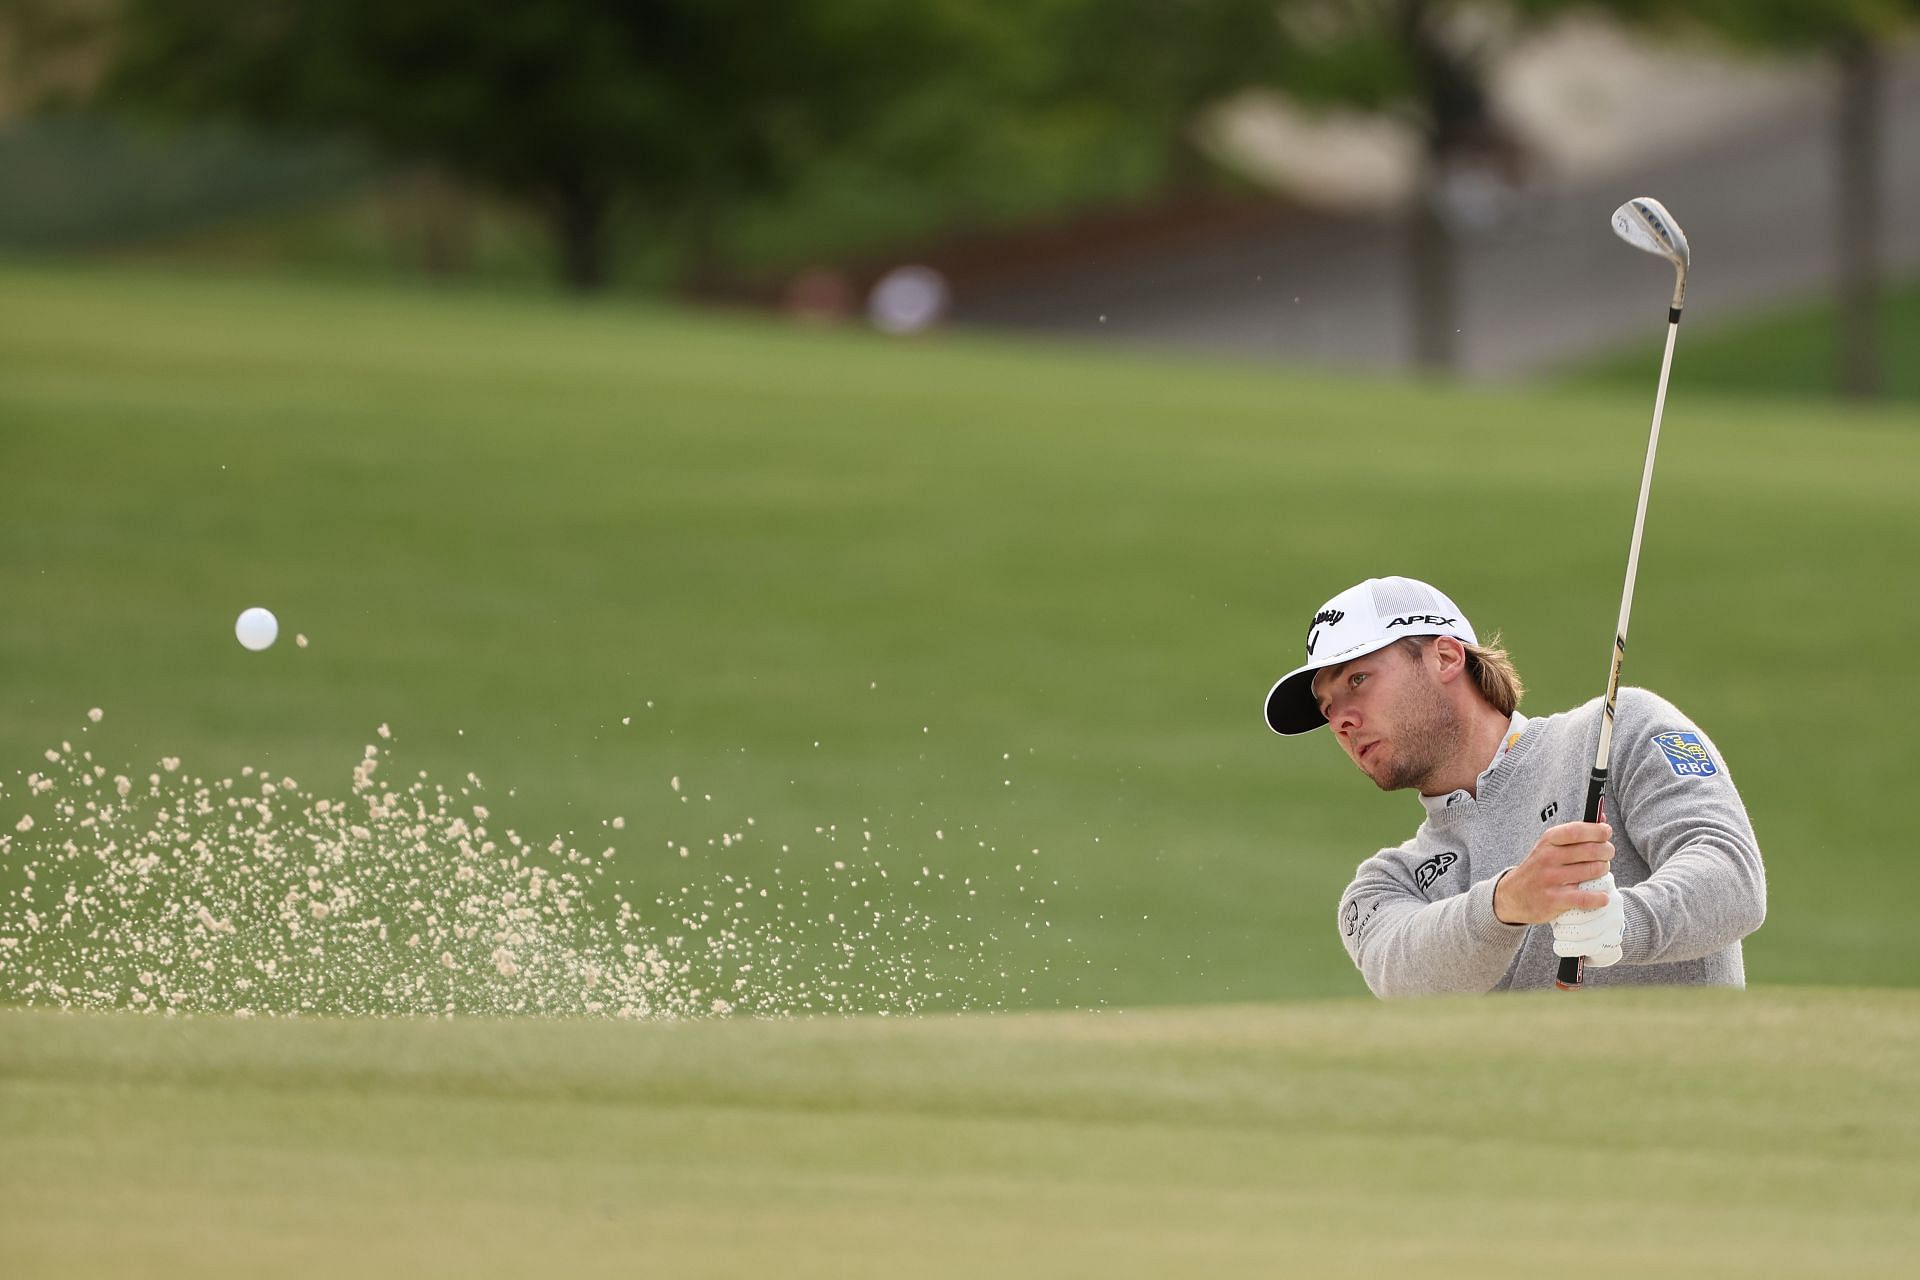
(1353, 624)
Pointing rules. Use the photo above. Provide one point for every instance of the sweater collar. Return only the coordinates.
(1440, 804)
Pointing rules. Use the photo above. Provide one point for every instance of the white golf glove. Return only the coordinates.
(1593, 932)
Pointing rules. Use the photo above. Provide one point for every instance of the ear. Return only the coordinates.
(1448, 658)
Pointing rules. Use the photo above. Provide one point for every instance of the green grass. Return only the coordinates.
(1028, 597)
(1656, 1132)
(1789, 351)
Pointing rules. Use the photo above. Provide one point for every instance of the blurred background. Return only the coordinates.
(1352, 183)
(901, 420)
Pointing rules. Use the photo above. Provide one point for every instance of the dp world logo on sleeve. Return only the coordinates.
(1433, 868)
(1687, 754)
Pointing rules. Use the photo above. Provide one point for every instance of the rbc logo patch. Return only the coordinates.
(1687, 754)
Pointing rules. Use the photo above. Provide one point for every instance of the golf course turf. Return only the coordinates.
(1660, 1133)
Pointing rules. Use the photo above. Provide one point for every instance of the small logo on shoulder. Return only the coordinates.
(1433, 868)
(1687, 754)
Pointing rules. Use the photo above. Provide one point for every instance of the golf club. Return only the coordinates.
(1645, 224)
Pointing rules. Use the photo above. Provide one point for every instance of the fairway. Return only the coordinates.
(789, 599)
(1658, 1133)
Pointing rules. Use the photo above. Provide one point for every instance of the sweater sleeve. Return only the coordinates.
(1407, 946)
(1671, 790)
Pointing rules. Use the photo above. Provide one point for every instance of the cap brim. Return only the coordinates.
(1292, 708)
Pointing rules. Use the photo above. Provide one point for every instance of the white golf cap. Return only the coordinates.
(1353, 624)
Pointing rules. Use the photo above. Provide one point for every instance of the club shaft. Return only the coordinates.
(1604, 751)
(1570, 967)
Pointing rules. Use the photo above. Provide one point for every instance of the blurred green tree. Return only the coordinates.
(1049, 105)
(578, 108)
(1160, 63)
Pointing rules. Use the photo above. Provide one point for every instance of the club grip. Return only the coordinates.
(1572, 968)
(1596, 802)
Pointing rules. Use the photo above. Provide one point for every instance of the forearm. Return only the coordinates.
(1707, 886)
(1704, 898)
(1406, 947)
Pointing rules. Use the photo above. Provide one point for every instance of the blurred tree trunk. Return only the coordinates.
(1857, 210)
(446, 226)
(1431, 267)
(1453, 113)
(702, 269)
(581, 215)
(428, 222)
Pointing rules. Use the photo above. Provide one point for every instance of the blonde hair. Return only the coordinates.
(1491, 670)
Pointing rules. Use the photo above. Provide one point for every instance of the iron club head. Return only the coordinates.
(1644, 223)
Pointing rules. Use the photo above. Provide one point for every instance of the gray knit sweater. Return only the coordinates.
(1418, 919)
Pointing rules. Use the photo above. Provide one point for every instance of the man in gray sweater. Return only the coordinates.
(1496, 884)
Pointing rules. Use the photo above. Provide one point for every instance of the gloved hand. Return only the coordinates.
(1593, 933)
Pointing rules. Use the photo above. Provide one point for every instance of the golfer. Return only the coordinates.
(1496, 884)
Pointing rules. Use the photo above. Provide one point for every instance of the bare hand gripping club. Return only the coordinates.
(1644, 223)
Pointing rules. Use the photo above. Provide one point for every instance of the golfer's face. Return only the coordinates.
(1360, 699)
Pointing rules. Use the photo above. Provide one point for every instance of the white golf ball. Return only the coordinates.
(256, 628)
